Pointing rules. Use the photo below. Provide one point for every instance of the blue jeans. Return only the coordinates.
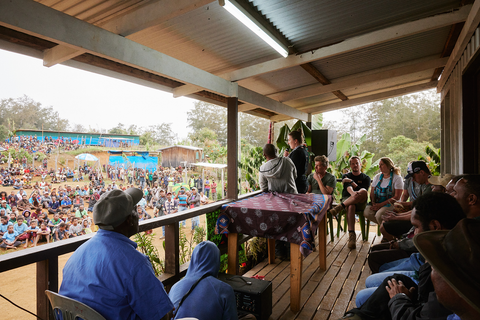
(207, 193)
(413, 263)
(375, 280)
(183, 222)
(195, 222)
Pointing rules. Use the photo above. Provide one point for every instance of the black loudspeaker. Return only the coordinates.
(324, 142)
(253, 295)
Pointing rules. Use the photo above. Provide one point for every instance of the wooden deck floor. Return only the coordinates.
(326, 295)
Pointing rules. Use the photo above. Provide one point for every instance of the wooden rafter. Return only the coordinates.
(314, 72)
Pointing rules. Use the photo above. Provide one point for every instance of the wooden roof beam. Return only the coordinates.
(314, 72)
(129, 25)
(381, 74)
(364, 99)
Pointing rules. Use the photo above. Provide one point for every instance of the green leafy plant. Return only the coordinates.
(146, 246)
(187, 245)
(250, 165)
(432, 160)
(282, 138)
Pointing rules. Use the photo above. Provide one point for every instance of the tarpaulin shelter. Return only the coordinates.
(142, 160)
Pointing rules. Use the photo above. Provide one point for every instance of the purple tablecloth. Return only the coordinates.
(282, 216)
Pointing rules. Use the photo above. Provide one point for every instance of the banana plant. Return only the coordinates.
(282, 140)
(432, 160)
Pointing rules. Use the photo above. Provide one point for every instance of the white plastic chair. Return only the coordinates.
(71, 309)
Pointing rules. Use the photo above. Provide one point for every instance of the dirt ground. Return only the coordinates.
(19, 285)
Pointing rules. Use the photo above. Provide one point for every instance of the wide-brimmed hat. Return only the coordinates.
(455, 255)
(441, 180)
(113, 207)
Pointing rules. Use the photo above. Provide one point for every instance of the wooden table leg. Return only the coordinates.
(295, 277)
(322, 244)
(271, 251)
(232, 253)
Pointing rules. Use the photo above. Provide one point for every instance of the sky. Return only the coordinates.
(88, 98)
(91, 99)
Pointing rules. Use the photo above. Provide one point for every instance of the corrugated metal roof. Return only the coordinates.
(211, 39)
(389, 53)
(311, 24)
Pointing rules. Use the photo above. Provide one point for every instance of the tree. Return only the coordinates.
(133, 129)
(254, 129)
(198, 138)
(24, 113)
(119, 129)
(76, 127)
(415, 116)
(161, 134)
(4, 133)
(402, 150)
(205, 115)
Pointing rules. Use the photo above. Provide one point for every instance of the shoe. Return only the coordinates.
(335, 211)
(352, 241)
(351, 316)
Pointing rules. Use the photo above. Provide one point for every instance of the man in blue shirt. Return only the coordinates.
(107, 273)
(66, 203)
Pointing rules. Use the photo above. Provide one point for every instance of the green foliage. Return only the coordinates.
(402, 150)
(24, 113)
(205, 115)
(250, 165)
(4, 133)
(87, 150)
(119, 129)
(187, 245)
(145, 245)
(317, 121)
(161, 134)
(198, 138)
(214, 152)
(211, 222)
(433, 160)
(18, 154)
(285, 130)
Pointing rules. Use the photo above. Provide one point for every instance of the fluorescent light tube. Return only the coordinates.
(244, 17)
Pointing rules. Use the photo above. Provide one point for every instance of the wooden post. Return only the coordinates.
(322, 243)
(295, 277)
(47, 279)
(232, 148)
(233, 253)
(172, 248)
(223, 186)
(271, 251)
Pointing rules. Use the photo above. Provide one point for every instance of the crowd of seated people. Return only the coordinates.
(33, 144)
(406, 277)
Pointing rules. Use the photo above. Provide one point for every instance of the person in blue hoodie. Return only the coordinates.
(210, 298)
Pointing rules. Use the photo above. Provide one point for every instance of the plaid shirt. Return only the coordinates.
(170, 206)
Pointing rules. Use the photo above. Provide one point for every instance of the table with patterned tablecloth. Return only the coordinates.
(286, 217)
